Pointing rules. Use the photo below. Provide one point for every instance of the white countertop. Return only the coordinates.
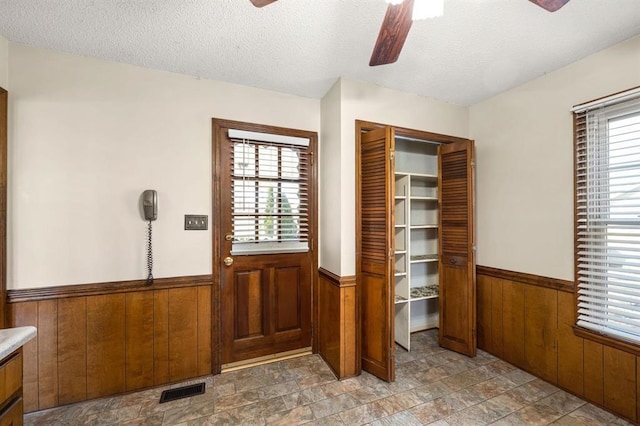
(12, 338)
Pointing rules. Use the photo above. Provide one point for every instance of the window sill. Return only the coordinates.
(607, 341)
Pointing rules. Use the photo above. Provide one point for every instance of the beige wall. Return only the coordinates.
(4, 63)
(330, 178)
(369, 102)
(524, 144)
(88, 137)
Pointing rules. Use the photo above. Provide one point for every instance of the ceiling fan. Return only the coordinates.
(397, 23)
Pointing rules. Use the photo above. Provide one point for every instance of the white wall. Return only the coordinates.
(369, 102)
(88, 137)
(331, 176)
(4, 63)
(524, 145)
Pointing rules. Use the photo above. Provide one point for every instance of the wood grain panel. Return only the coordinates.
(105, 345)
(484, 314)
(456, 330)
(249, 303)
(183, 333)
(619, 382)
(72, 350)
(47, 354)
(160, 337)
(204, 331)
(23, 315)
(540, 328)
(349, 350)
(497, 327)
(329, 316)
(287, 299)
(138, 340)
(513, 322)
(374, 346)
(593, 372)
(570, 347)
(102, 344)
(337, 323)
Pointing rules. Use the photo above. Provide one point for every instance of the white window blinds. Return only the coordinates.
(270, 176)
(608, 218)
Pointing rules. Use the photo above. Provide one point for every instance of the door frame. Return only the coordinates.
(363, 126)
(218, 136)
(4, 118)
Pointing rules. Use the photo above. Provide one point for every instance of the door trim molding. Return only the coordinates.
(97, 289)
(4, 118)
(522, 277)
(336, 280)
(218, 127)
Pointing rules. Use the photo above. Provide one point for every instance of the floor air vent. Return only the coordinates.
(183, 392)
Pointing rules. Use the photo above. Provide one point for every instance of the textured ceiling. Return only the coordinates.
(476, 50)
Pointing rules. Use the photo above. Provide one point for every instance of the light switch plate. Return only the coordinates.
(197, 222)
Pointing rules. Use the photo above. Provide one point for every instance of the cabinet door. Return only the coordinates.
(375, 251)
(456, 244)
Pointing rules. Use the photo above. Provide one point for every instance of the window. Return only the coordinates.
(270, 193)
(607, 137)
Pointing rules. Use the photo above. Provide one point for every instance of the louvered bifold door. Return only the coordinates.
(374, 251)
(456, 244)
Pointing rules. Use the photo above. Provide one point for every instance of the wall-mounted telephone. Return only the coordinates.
(150, 210)
(150, 204)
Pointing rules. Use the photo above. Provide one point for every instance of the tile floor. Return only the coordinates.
(433, 386)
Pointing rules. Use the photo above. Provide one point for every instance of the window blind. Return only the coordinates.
(607, 138)
(270, 187)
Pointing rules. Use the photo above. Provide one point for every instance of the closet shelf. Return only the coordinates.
(426, 176)
(425, 292)
(423, 258)
(400, 299)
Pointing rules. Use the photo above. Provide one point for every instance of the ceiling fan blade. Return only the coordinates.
(393, 32)
(261, 3)
(550, 5)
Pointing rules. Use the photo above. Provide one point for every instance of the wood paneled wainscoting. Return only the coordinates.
(336, 328)
(96, 340)
(528, 321)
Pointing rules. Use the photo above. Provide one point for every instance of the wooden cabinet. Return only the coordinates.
(11, 389)
(414, 231)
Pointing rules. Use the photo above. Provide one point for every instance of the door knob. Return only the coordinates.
(228, 261)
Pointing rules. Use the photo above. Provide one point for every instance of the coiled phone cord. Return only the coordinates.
(149, 255)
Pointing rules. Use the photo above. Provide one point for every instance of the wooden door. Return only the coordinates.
(375, 250)
(456, 247)
(265, 243)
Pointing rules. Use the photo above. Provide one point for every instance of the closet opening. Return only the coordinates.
(415, 242)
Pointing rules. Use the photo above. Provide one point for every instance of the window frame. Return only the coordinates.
(609, 103)
(256, 178)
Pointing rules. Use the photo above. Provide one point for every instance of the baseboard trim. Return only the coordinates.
(95, 289)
